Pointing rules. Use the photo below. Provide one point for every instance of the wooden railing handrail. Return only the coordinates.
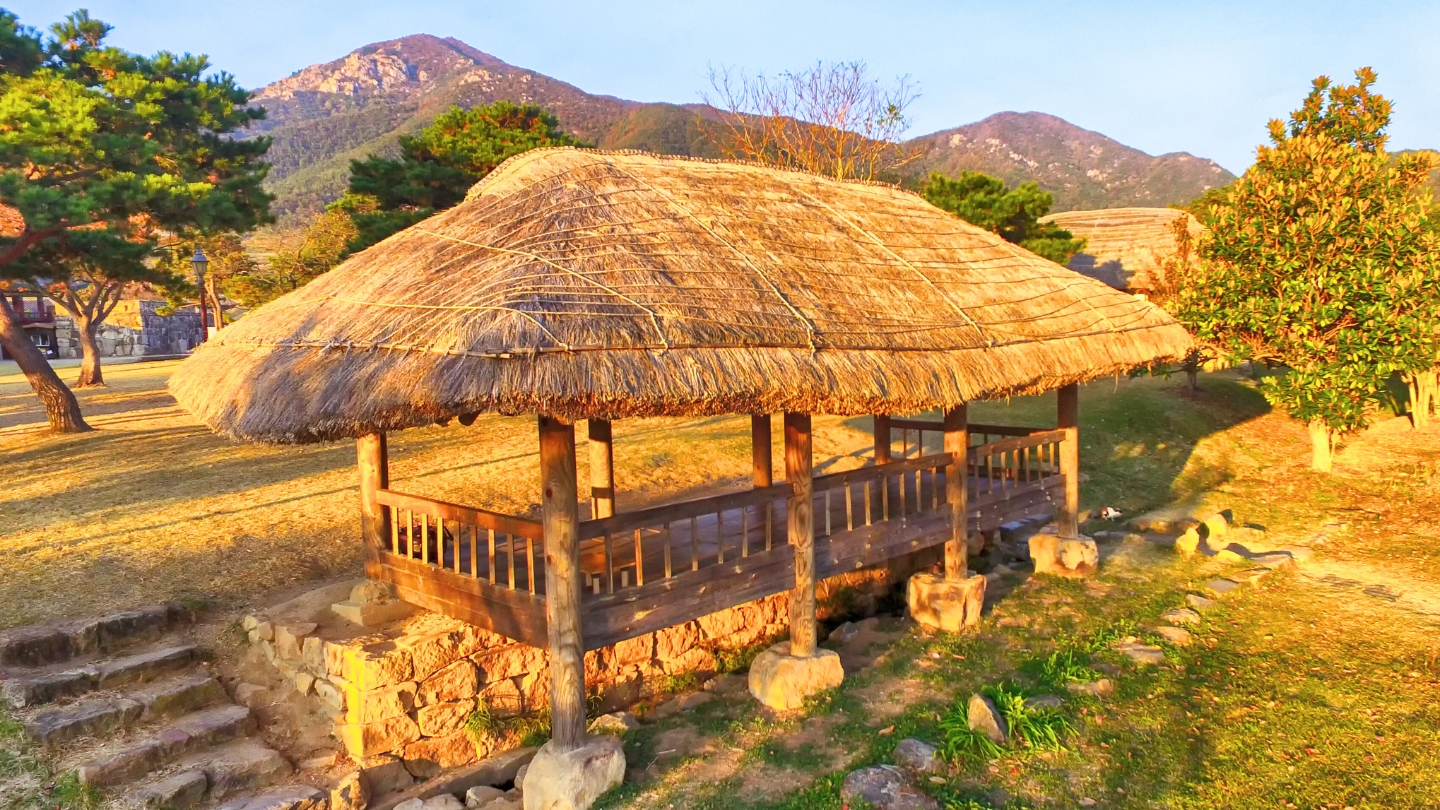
(1018, 443)
(877, 471)
(669, 513)
(485, 519)
(974, 427)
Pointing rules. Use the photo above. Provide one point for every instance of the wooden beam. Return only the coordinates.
(760, 451)
(373, 460)
(602, 468)
(957, 444)
(560, 515)
(882, 438)
(1068, 398)
(799, 472)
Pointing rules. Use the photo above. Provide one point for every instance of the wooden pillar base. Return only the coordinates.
(942, 604)
(783, 681)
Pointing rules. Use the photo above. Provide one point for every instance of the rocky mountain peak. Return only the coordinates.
(391, 69)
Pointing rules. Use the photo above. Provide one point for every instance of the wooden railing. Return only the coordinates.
(504, 550)
(660, 542)
(980, 434)
(1009, 464)
(879, 493)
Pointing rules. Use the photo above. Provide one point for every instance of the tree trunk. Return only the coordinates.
(90, 374)
(1322, 444)
(61, 408)
(1192, 371)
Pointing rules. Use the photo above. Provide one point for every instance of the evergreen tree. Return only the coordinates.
(1014, 214)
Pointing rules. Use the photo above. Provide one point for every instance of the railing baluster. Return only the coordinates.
(849, 508)
(827, 513)
(900, 480)
(989, 473)
(869, 514)
(609, 567)
(769, 521)
(720, 537)
(425, 537)
(530, 563)
(510, 557)
(884, 497)
(639, 560)
(394, 529)
(455, 543)
(695, 543)
(493, 573)
(475, 550)
(744, 531)
(665, 534)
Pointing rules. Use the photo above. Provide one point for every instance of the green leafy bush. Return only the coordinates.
(959, 741)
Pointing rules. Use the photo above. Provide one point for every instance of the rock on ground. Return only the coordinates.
(1141, 653)
(481, 795)
(984, 718)
(918, 756)
(885, 787)
(1178, 636)
(559, 779)
(614, 723)
(1101, 688)
(1181, 616)
(1199, 602)
(353, 793)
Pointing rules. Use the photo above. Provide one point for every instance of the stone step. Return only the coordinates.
(242, 767)
(187, 735)
(291, 797)
(23, 691)
(179, 791)
(165, 699)
(57, 642)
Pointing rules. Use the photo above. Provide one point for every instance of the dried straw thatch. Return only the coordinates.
(1126, 247)
(580, 283)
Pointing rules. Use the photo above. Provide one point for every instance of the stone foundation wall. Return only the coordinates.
(134, 329)
(404, 695)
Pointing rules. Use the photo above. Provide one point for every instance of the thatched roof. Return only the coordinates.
(580, 283)
(1127, 247)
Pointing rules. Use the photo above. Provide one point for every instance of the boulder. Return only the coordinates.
(941, 604)
(844, 632)
(1077, 557)
(614, 723)
(445, 801)
(783, 682)
(918, 756)
(573, 779)
(385, 773)
(984, 718)
(352, 793)
(884, 787)
(1188, 543)
(481, 795)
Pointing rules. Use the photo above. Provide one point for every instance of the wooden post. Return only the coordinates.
(1068, 398)
(602, 468)
(957, 492)
(373, 460)
(799, 471)
(760, 450)
(560, 515)
(882, 438)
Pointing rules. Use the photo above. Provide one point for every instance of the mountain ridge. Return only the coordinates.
(322, 116)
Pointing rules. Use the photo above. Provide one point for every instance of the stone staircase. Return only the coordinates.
(130, 704)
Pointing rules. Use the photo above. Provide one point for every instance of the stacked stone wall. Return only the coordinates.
(134, 329)
(404, 695)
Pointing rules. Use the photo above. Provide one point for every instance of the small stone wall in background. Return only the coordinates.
(134, 329)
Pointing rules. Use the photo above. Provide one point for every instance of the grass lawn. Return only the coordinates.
(1321, 689)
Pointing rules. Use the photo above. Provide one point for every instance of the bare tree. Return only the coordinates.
(832, 119)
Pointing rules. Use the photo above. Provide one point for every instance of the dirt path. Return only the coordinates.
(1395, 588)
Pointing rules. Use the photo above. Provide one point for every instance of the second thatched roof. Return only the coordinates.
(579, 283)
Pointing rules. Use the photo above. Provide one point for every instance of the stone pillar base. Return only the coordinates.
(574, 779)
(1064, 558)
(941, 604)
(783, 681)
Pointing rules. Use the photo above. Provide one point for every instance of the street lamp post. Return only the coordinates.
(200, 263)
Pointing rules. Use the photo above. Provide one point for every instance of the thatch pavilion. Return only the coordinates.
(582, 285)
(1127, 248)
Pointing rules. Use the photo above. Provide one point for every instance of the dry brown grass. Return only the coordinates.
(153, 506)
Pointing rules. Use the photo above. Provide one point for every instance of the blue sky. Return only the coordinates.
(1159, 76)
